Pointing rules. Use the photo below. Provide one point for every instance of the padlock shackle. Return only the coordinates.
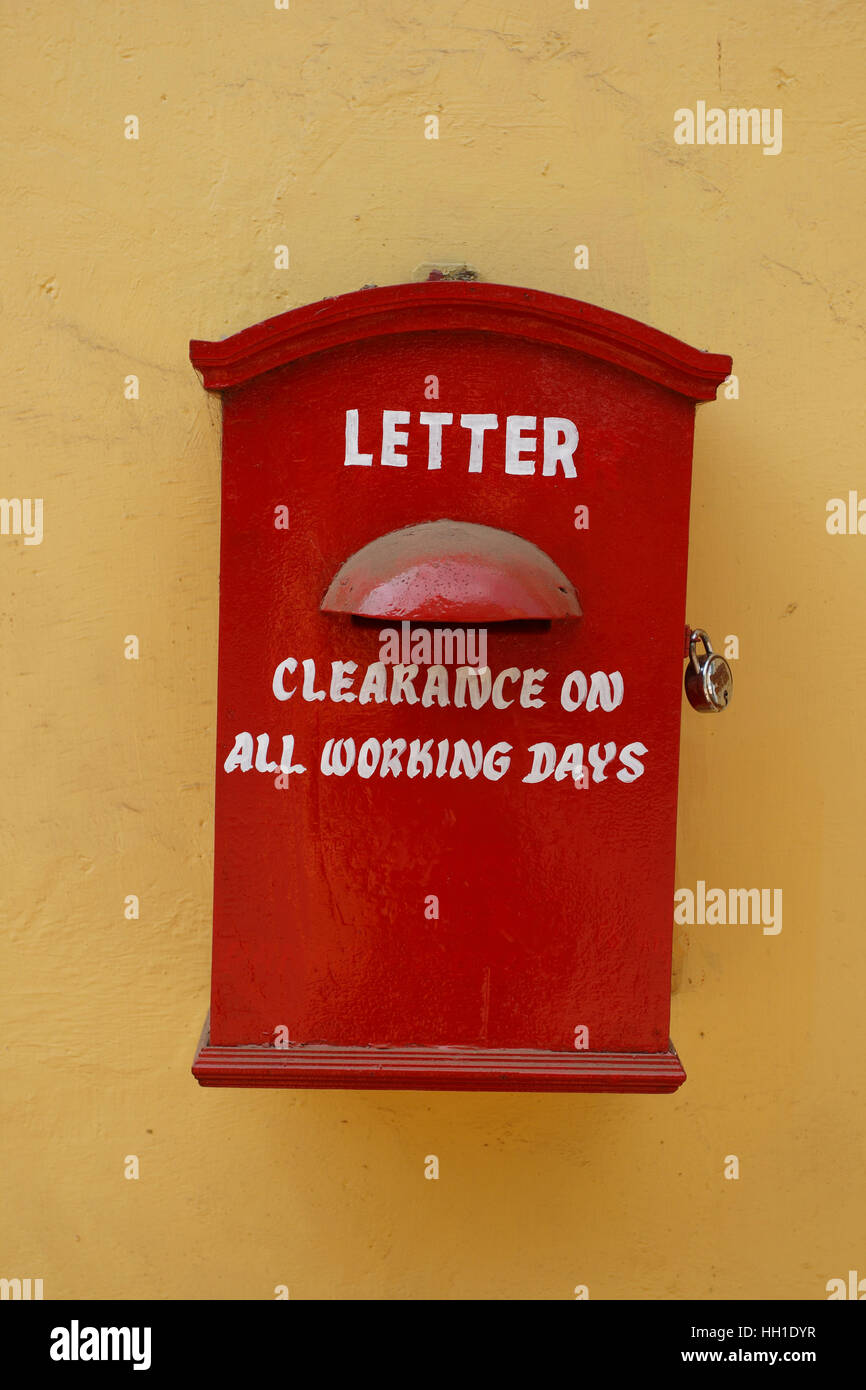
(698, 634)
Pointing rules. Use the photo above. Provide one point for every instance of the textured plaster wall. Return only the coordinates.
(260, 127)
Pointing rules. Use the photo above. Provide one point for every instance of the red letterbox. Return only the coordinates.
(452, 589)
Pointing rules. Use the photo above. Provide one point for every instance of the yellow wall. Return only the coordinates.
(305, 127)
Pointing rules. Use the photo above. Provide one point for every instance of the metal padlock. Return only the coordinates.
(709, 680)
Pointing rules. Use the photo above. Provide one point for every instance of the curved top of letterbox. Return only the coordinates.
(452, 306)
(451, 572)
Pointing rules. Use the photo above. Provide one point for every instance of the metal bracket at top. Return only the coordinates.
(445, 270)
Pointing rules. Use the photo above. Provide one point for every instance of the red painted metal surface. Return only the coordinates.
(466, 307)
(452, 571)
(553, 895)
(452, 1069)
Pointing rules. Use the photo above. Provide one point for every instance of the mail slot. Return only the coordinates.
(454, 538)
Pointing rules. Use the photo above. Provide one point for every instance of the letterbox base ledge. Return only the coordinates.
(318, 1066)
